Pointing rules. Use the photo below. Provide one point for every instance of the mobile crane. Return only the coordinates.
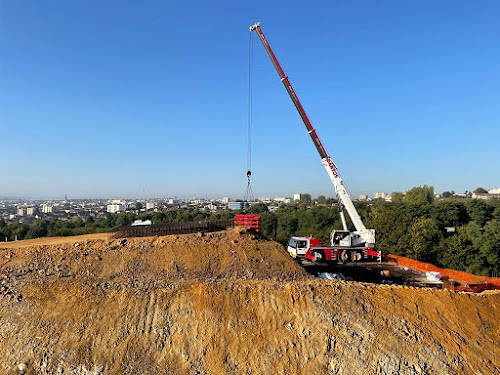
(345, 245)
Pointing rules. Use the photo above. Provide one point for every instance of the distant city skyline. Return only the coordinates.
(124, 99)
(221, 196)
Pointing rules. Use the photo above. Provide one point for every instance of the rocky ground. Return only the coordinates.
(224, 303)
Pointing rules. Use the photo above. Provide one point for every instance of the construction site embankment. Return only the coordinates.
(225, 303)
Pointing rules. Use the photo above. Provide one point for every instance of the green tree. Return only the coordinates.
(424, 240)
(39, 228)
(421, 194)
(18, 230)
(287, 223)
(461, 251)
(478, 210)
(496, 214)
(490, 247)
(321, 199)
(397, 196)
(391, 222)
(257, 208)
(449, 213)
(305, 198)
(447, 194)
(480, 190)
(268, 225)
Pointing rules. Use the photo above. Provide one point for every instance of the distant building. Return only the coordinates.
(21, 211)
(283, 200)
(494, 191)
(236, 205)
(380, 195)
(150, 205)
(225, 200)
(171, 201)
(46, 209)
(264, 199)
(239, 205)
(363, 197)
(114, 208)
(487, 195)
(296, 197)
(212, 207)
(30, 211)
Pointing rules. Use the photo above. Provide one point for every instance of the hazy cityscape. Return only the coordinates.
(26, 210)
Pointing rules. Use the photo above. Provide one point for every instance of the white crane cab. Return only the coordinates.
(298, 246)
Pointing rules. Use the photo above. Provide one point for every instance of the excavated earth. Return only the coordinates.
(224, 303)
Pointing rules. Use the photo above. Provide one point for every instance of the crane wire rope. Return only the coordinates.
(249, 193)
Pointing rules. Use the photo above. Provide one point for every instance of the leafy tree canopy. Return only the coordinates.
(423, 194)
(480, 190)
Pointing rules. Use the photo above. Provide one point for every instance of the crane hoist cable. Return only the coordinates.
(248, 193)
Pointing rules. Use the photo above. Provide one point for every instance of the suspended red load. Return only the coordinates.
(248, 220)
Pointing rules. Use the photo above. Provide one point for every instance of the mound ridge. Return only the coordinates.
(232, 254)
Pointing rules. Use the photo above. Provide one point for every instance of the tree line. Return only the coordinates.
(462, 234)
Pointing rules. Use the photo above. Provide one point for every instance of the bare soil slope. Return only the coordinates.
(225, 303)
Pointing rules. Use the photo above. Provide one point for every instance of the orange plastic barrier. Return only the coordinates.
(462, 277)
(248, 220)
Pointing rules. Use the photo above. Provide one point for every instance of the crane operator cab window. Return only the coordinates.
(339, 236)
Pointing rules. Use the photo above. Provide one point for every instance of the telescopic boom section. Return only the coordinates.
(291, 92)
(329, 165)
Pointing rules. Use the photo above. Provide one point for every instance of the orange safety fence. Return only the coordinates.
(462, 277)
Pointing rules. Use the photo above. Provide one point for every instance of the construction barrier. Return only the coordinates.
(248, 220)
(468, 280)
(165, 229)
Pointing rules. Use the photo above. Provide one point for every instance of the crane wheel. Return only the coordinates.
(317, 256)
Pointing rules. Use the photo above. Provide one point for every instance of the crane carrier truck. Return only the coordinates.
(345, 245)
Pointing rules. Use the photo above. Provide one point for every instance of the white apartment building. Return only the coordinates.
(296, 197)
(150, 205)
(113, 208)
(46, 209)
(283, 200)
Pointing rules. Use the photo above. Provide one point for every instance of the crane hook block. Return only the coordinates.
(249, 174)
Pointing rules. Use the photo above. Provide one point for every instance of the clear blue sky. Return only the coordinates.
(149, 99)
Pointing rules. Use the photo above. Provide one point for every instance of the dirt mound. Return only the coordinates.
(233, 254)
(226, 303)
